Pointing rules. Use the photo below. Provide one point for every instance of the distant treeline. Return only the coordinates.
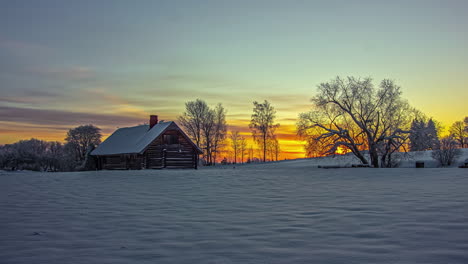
(40, 155)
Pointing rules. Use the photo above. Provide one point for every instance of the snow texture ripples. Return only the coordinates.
(273, 213)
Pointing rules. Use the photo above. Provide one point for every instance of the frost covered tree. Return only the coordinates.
(34, 154)
(423, 135)
(459, 133)
(263, 125)
(417, 136)
(432, 134)
(79, 139)
(446, 152)
(353, 114)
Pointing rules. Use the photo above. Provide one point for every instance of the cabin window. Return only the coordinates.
(171, 139)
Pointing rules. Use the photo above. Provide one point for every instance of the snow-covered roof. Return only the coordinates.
(130, 139)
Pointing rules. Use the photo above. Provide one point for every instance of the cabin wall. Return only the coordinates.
(121, 162)
(162, 155)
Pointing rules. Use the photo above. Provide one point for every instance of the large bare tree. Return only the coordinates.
(353, 114)
(263, 124)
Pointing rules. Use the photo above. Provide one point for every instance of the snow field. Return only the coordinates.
(285, 212)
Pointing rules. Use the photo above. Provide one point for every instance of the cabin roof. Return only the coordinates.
(133, 140)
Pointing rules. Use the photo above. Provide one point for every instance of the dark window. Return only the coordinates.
(171, 139)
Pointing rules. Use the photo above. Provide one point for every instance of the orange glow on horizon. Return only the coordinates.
(290, 146)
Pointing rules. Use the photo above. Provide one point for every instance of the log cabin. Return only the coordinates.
(155, 146)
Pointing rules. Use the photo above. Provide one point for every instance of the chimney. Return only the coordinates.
(153, 121)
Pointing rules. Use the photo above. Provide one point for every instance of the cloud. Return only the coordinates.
(22, 48)
(72, 73)
(61, 118)
(30, 97)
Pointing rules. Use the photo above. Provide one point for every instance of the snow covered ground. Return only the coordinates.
(285, 212)
(406, 160)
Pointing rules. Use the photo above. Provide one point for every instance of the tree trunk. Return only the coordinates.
(374, 156)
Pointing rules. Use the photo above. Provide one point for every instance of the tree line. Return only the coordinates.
(40, 155)
(207, 127)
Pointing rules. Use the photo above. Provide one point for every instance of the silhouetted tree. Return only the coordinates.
(243, 148)
(220, 129)
(263, 124)
(206, 126)
(192, 119)
(81, 138)
(235, 143)
(350, 113)
(459, 133)
(466, 124)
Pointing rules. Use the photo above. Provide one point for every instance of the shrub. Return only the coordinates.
(446, 152)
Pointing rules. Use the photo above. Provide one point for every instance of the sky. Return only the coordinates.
(113, 63)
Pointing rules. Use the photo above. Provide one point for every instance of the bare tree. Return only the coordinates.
(352, 114)
(206, 126)
(235, 143)
(251, 153)
(466, 124)
(81, 138)
(276, 148)
(208, 131)
(243, 148)
(458, 132)
(192, 119)
(219, 130)
(262, 124)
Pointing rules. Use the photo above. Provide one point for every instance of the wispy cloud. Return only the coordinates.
(21, 48)
(60, 118)
(72, 72)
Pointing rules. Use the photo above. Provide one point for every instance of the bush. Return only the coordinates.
(446, 152)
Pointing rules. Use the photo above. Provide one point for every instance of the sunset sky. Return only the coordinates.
(113, 63)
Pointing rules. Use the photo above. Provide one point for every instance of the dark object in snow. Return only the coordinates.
(344, 167)
(419, 164)
(332, 167)
(465, 165)
(360, 166)
(155, 146)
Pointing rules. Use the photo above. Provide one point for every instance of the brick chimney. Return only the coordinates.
(153, 121)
